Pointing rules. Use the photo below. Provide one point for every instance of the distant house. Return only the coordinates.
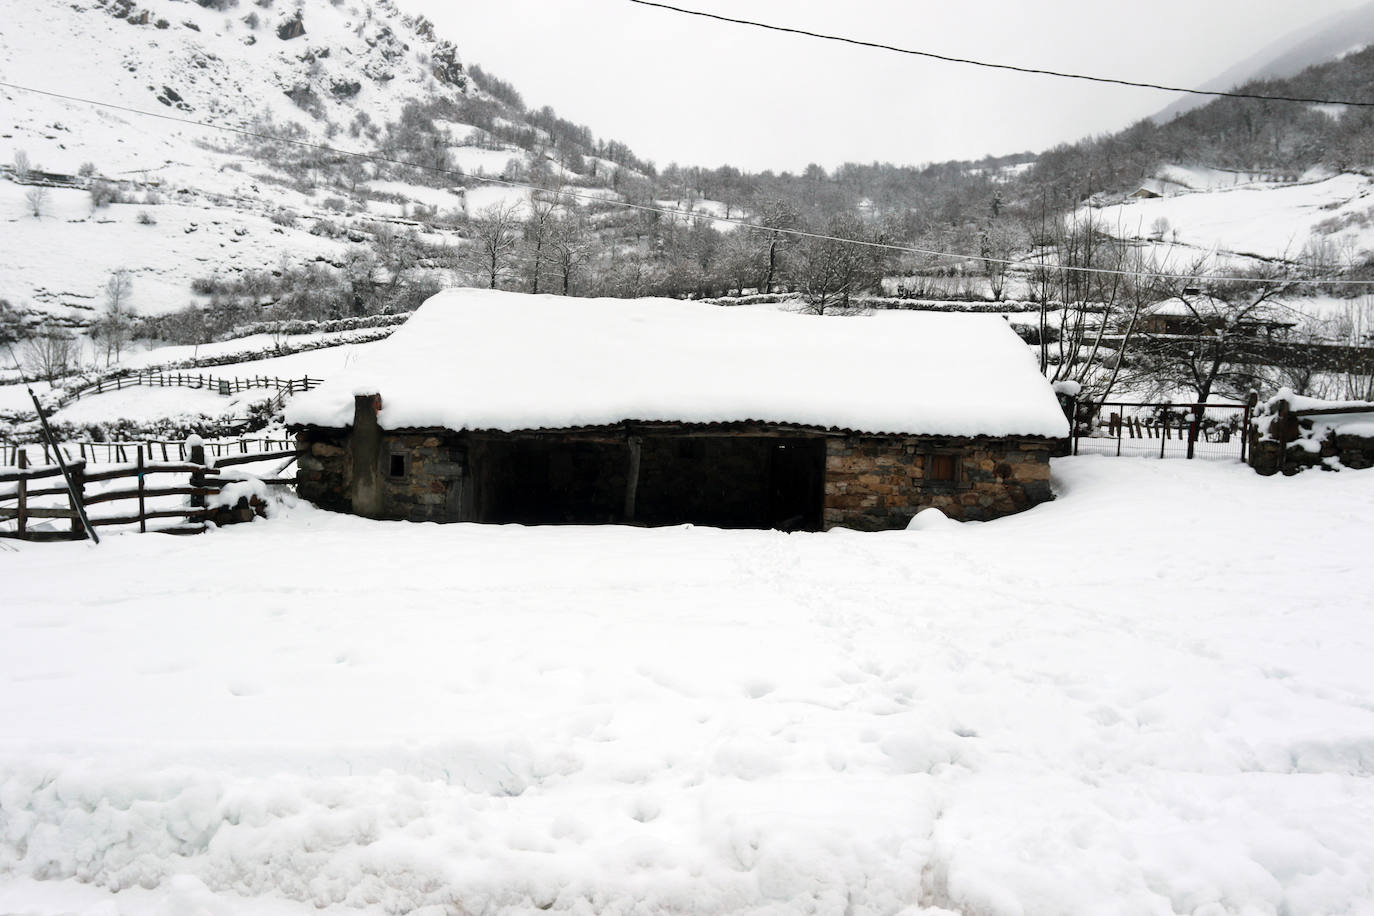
(1145, 193)
(499, 407)
(1191, 315)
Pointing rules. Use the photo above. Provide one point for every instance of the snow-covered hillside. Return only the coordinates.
(1241, 216)
(191, 203)
(229, 65)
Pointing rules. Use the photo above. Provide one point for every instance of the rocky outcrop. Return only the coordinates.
(445, 66)
(293, 27)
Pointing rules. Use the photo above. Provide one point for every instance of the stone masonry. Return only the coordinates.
(874, 483)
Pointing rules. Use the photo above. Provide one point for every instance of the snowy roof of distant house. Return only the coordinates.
(1173, 307)
(479, 359)
(1203, 306)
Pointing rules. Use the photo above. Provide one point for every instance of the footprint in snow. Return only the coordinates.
(757, 689)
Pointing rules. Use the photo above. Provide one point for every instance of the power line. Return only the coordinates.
(676, 214)
(995, 66)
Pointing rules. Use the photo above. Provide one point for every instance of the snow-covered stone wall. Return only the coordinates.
(1292, 433)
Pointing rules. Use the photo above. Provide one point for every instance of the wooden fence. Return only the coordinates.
(123, 452)
(218, 384)
(15, 505)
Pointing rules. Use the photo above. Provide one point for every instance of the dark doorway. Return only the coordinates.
(796, 484)
(731, 482)
(722, 481)
(548, 481)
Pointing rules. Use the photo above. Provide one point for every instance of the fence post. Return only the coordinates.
(23, 492)
(1194, 427)
(1250, 403)
(195, 447)
(142, 507)
(78, 473)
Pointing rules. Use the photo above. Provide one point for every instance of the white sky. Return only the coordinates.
(694, 91)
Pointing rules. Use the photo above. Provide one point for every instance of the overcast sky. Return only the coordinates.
(699, 92)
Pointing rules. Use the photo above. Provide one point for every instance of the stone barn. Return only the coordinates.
(507, 408)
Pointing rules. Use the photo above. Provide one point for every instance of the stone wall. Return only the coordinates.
(428, 490)
(430, 487)
(877, 483)
(1270, 456)
(871, 483)
(324, 469)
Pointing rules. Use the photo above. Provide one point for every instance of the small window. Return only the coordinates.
(941, 468)
(398, 466)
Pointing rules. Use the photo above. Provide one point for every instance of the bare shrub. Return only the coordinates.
(36, 201)
(51, 353)
(104, 193)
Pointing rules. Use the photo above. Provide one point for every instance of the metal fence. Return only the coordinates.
(1213, 430)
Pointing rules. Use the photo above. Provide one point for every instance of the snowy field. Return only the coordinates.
(1151, 696)
(1264, 219)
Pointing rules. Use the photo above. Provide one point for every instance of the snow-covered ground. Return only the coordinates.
(144, 405)
(1152, 695)
(314, 362)
(701, 207)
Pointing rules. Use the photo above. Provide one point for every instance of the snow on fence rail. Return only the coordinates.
(17, 493)
(156, 449)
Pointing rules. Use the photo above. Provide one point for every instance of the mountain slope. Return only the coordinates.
(1340, 34)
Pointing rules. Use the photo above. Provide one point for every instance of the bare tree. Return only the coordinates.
(1353, 331)
(570, 246)
(742, 260)
(776, 216)
(998, 243)
(51, 353)
(1220, 332)
(847, 260)
(397, 255)
(115, 327)
(1142, 289)
(495, 237)
(21, 163)
(537, 234)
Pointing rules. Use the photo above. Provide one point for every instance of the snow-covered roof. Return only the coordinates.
(1204, 307)
(1174, 307)
(479, 359)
